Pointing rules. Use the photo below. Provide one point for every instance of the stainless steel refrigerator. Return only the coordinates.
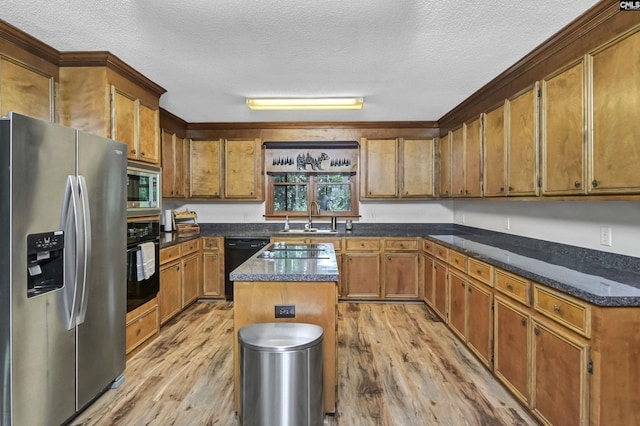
(62, 269)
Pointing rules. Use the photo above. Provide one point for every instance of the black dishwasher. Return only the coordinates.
(236, 251)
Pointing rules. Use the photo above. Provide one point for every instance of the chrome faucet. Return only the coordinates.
(310, 222)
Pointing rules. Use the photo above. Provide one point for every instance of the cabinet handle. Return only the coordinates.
(536, 330)
(469, 289)
(455, 260)
(502, 189)
(509, 286)
(466, 191)
(511, 188)
(462, 285)
(462, 191)
(388, 258)
(133, 151)
(556, 308)
(478, 271)
(142, 153)
(523, 321)
(369, 192)
(577, 184)
(594, 183)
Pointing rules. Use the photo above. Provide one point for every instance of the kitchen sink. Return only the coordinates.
(309, 231)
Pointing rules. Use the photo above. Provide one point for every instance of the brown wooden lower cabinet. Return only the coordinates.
(190, 279)
(142, 326)
(427, 280)
(401, 275)
(170, 294)
(511, 347)
(480, 321)
(457, 304)
(560, 376)
(362, 275)
(213, 267)
(440, 284)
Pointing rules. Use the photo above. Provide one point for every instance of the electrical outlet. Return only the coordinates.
(285, 311)
(605, 236)
(507, 223)
(371, 216)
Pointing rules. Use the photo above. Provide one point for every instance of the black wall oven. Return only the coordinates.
(142, 287)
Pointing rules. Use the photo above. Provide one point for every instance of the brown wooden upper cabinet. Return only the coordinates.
(563, 131)
(101, 100)
(511, 146)
(173, 165)
(226, 169)
(379, 166)
(205, 168)
(614, 153)
(444, 162)
(243, 169)
(457, 162)
(27, 89)
(494, 157)
(396, 168)
(473, 158)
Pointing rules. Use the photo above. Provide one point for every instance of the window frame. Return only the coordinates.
(312, 189)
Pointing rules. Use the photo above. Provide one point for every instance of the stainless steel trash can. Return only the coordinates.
(281, 374)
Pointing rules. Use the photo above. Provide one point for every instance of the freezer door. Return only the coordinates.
(102, 169)
(41, 370)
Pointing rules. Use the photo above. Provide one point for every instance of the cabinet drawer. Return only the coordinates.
(168, 254)
(142, 328)
(400, 245)
(458, 260)
(480, 271)
(210, 243)
(190, 246)
(513, 286)
(427, 246)
(441, 253)
(570, 312)
(337, 242)
(360, 244)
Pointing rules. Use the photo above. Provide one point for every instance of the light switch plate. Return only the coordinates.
(605, 236)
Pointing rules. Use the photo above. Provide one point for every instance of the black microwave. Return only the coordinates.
(143, 190)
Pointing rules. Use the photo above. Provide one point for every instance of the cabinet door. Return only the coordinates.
(427, 280)
(457, 162)
(242, 169)
(479, 321)
(616, 129)
(204, 168)
(457, 304)
(400, 275)
(511, 348)
(168, 164)
(362, 271)
(494, 152)
(123, 126)
(25, 90)
(473, 158)
(522, 166)
(170, 294)
(440, 290)
(190, 279)
(560, 380)
(179, 174)
(212, 275)
(444, 166)
(380, 168)
(149, 134)
(563, 132)
(417, 168)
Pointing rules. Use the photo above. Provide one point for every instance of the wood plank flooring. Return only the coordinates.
(397, 365)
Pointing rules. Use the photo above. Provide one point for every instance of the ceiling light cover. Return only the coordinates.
(304, 103)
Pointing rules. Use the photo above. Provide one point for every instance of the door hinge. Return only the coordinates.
(590, 367)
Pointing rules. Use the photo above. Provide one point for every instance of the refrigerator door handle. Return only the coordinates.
(70, 206)
(86, 226)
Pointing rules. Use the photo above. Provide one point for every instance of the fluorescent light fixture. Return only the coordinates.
(304, 103)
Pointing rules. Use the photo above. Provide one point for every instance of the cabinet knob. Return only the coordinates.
(462, 285)
(462, 191)
(556, 308)
(509, 286)
(502, 189)
(577, 184)
(594, 183)
(469, 289)
(511, 188)
(536, 330)
(142, 153)
(523, 321)
(133, 151)
(478, 271)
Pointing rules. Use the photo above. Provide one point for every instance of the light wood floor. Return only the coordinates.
(398, 365)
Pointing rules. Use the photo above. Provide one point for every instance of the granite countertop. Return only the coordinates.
(587, 280)
(291, 262)
(168, 239)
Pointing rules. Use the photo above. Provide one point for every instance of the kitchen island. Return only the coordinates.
(304, 276)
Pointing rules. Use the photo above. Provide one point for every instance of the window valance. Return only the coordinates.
(311, 157)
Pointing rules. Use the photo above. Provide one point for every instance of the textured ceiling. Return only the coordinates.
(412, 60)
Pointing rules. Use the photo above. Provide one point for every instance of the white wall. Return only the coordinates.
(576, 223)
(387, 212)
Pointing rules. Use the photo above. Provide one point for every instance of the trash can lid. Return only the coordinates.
(280, 336)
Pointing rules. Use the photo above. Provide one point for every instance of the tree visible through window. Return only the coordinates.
(293, 193)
